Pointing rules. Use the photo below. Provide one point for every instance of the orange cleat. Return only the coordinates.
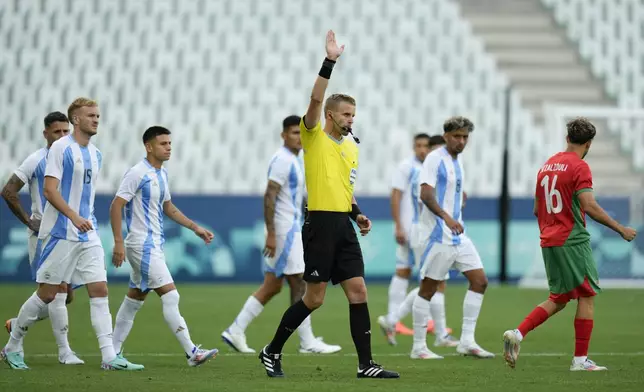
(430, 328)
(401, 329)
(7, 325)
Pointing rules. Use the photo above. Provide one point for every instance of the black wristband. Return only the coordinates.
(355, 211)
(327, 67)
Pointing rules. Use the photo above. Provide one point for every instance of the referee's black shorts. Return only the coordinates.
(331, 248)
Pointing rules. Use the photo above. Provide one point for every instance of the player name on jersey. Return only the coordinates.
(552, 167)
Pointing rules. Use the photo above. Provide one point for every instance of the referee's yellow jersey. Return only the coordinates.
(330, 168)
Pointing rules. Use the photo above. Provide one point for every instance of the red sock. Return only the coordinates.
(534, 319)
(583, 330)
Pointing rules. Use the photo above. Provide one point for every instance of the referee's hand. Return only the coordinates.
(364, 224)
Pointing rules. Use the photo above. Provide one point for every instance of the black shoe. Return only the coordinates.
(373, 370)
(272, 363)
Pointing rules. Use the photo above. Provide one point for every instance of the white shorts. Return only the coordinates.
(289, 255)
(405, 257)
(437, 259)
(417, 247)
(32, 244)
(73, 262)
(149, 269)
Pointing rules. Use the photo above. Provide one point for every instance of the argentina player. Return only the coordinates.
(145, 194)
(32, 173)
(283, 250)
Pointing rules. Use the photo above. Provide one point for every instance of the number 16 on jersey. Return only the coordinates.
(554, 203)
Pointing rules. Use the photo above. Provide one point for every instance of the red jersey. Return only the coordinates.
(562, 221)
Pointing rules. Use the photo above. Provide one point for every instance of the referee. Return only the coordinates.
(331, 248)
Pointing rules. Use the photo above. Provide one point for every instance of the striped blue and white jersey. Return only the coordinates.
(445, 174)
(145, 188)
(77, 168)
(405, 179)
(287, 170)
(32, 173)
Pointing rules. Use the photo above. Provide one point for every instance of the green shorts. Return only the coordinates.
(569, 266)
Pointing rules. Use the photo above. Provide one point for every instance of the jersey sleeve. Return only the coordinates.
(429, 173)
(400, 179)
(55, 160)
(26, 170)
(583, 178)
(129, 186)
(308, 135)
(167, 196)
(279, 170)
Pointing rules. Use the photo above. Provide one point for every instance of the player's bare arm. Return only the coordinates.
(116, 221)
(10, 195)
(396, 196)
(270, 198)
(172, 212)
(464, 199)
(428, 197)
(333, 52)
(53, 196)
(595, 211)
(364, 223)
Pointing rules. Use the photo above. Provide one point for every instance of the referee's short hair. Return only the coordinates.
(55, 117)
(457, 122)
(153, 132)
(334, 99)
(290, 121)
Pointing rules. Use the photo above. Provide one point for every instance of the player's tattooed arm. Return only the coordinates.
(428, 197)
(10, 195)
(270, 198)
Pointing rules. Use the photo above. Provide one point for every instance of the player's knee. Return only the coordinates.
(479, 285)
(404, 273)
(170, 299)
(426, 291)
(97, 290)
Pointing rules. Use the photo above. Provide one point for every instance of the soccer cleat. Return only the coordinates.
(272, 363)
(474, 350)
(237, 342)
(373, 370)
(402, 329)
(200, 356)
(430, 328)
(423, 353)
(511, 347)
(70, 358)
(446, 341)
(319, 347)
(8, 326)
(15, 360)
(586, 366)
(388, 331)
(120, 363)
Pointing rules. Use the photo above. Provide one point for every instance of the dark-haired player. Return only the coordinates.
(283, 250)
(405, 211)
(32, 173)
(145, 194)
(563, 197)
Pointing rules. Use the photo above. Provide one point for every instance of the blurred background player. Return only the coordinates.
(331, 247)
(32, 173)
(68, 243)
(283, 251)
(563, 197)
(446, 245)
(145, 194)
(405, 211)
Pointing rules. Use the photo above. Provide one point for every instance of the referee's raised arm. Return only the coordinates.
(333, 52)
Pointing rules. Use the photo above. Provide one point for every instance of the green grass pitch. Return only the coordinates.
(618, 343)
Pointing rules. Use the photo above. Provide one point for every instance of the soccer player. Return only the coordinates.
(145, 194)
(405, 210)
(331, 247)
(563, 197)
(283, 250)
(68, 244)
(446, 245)
(32, 173)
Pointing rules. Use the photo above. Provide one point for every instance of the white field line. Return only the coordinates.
(233, 354)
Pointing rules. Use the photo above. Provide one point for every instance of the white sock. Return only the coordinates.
(60, 322)
(471, 309)
(420, 312)
(124, 321)
(579, 360)
(404, 309)
(174, 320)
(305, 330)
(27, 316)
(397, 292)
(44, 313)
(99, 311)
(252, 308)
(437, 307)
